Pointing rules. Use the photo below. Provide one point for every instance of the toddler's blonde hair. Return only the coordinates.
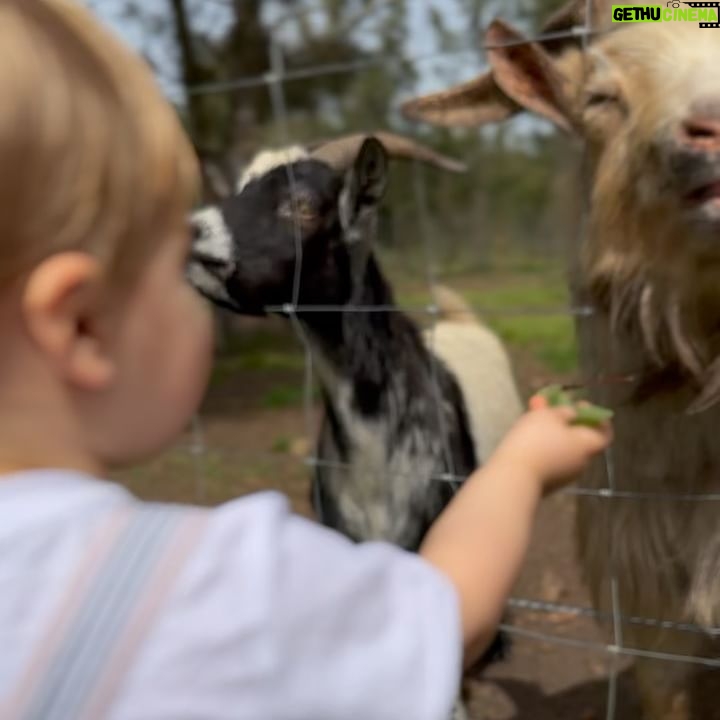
(92, 157)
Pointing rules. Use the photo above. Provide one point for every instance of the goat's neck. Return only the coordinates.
(367, 351)
(662, 326)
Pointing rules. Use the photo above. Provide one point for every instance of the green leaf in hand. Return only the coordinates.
(586, 413)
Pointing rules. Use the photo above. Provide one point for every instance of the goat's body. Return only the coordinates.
(443, 399)
(645, 101)
(665, 552)
(382, 476)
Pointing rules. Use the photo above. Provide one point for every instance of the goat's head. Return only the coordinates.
(645, 99)
(300, 225)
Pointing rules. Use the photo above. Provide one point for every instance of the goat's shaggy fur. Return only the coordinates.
(646, 101)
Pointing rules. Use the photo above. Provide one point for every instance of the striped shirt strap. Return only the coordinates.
(118, 590)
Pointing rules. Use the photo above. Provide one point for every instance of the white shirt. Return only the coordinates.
(272, 618)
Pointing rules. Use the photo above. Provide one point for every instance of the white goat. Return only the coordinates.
(646, 101)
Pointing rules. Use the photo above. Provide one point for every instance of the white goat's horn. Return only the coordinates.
(341, 152)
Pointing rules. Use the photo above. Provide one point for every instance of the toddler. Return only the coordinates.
(113, 608)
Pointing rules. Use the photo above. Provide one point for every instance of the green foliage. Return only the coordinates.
(283, 397)
(260, 351)
(527, 310)
(549, 339)
(282, 445)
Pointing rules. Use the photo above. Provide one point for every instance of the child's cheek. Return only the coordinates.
(202, 332)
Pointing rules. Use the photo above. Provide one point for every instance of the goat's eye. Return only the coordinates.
(299, 208)
(304, 208)
(600, 98)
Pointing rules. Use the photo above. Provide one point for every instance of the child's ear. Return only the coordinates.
(63, 316)
(364, 189)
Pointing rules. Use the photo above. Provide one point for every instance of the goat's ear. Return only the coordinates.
(528, 75)
(523, 76)
(471, 104)
(369, 174)
(365, 184)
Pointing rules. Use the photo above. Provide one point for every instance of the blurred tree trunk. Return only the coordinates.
(247, 54)
(202, 125)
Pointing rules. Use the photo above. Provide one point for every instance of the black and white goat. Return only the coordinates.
(403, 410)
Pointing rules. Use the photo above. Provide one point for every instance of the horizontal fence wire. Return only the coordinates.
(431, 310)
(380, 60)
(201, 449)
(609, 649)
(544, 606)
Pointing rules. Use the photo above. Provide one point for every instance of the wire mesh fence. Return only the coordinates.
(275, 81)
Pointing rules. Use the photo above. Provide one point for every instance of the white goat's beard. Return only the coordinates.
(667, 337)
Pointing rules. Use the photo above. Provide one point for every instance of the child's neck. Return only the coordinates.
(19, 452)
(39, 429)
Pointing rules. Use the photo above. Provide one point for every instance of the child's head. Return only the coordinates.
(106, 348)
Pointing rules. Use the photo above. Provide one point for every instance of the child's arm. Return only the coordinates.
(479, 542)
(283, 618)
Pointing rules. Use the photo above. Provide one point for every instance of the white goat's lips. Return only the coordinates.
(702, 207)
(708, 193)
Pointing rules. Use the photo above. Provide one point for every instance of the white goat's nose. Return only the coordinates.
(700, 131)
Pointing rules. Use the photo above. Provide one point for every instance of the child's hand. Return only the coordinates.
(545, 443)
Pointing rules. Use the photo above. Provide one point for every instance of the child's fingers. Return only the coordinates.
(537, 402)
(566, 412)
(596, 439)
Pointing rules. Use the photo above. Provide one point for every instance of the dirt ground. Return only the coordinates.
(250, 446)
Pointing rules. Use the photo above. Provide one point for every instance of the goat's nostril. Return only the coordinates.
(701, 131)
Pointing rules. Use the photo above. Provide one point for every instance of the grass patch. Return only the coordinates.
(258, 360)
(282, 397)
(285, 396)
(549, 337)
(527, 294)
(258, 351)
(282, 445)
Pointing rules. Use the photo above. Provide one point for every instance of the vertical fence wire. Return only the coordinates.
(615, 650)
(276, 86)
(426, 230)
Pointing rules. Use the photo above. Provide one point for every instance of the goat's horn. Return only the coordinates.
(341, 152)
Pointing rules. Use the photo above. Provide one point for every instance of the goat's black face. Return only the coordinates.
(247, 250)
